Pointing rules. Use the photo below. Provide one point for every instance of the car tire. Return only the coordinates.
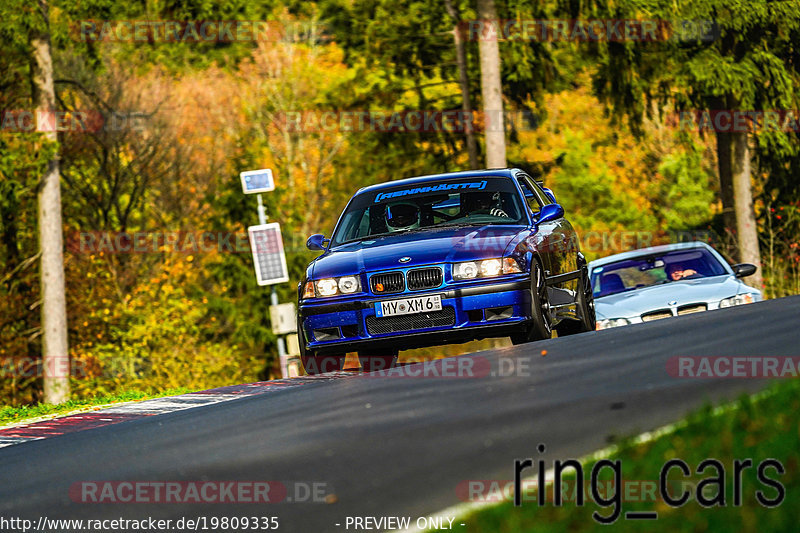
(317, 364)
(539, 327)
(585, 307)
(374, 361)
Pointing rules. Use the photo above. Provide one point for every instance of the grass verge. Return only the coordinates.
(759, 428)
(11, 415)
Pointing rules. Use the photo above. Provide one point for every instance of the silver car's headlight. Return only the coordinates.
(739, 299)
(611, 323)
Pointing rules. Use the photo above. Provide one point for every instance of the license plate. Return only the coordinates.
(409, 306)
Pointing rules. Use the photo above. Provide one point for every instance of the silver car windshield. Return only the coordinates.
(645, 271)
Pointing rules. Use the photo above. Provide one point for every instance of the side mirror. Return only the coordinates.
(550, 194)
(317, 242)
(550, 212)
(742, 270)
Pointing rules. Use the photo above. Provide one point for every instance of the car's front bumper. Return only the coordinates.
(469, 311)
(678, 309)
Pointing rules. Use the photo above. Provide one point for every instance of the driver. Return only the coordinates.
(485, 203)
(402, 216)
(676, 271)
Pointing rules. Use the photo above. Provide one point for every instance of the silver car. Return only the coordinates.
(664, 281)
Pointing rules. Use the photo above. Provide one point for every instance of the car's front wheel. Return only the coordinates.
(375, 360)
(585, 307)
(539, 327)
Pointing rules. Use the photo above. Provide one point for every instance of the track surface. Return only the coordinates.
(401, 446)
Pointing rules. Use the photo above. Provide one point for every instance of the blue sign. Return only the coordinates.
(255, 181)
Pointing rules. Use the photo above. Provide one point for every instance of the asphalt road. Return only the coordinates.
(401, 446)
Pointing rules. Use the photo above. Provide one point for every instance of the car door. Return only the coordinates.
(541, 238)
(558, 248)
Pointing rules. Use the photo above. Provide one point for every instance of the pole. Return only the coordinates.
(282, 357)
(262, 211)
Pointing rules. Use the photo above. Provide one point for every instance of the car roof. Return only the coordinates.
(651, 250)
(499, 172)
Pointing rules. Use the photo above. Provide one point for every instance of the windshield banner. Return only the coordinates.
(479, 185)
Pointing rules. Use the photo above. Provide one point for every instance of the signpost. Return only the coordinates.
(257, 181)
(269, 261)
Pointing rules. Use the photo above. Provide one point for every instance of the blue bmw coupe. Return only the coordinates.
(439, 259)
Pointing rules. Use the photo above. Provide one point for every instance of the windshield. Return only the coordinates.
(453, 202)
(645, 271)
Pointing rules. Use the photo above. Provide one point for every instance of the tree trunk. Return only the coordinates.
(55, 353)
(747, 232)
(726, 181)
(466, 101)
(491, 88)
(725, 169)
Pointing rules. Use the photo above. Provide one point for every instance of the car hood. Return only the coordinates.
(636, 302)
(423, 247)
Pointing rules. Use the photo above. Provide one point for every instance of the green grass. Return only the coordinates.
(760, 427)
(9, 415)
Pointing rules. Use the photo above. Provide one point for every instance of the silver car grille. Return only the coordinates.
(666, 313)
(656, 315)
(692, 308)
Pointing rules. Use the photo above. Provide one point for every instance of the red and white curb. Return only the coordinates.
(44, 429)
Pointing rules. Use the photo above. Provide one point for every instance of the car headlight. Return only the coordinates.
(491, 267)
(349, 284)
(611, 323)
(467, 270)
(739, 299)
(485, 269)
(332, 286)
(327, 287)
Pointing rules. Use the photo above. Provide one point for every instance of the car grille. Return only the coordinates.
(424, 278)
(395, 324)
(694, 308)
(391, 282)
(656, 315)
